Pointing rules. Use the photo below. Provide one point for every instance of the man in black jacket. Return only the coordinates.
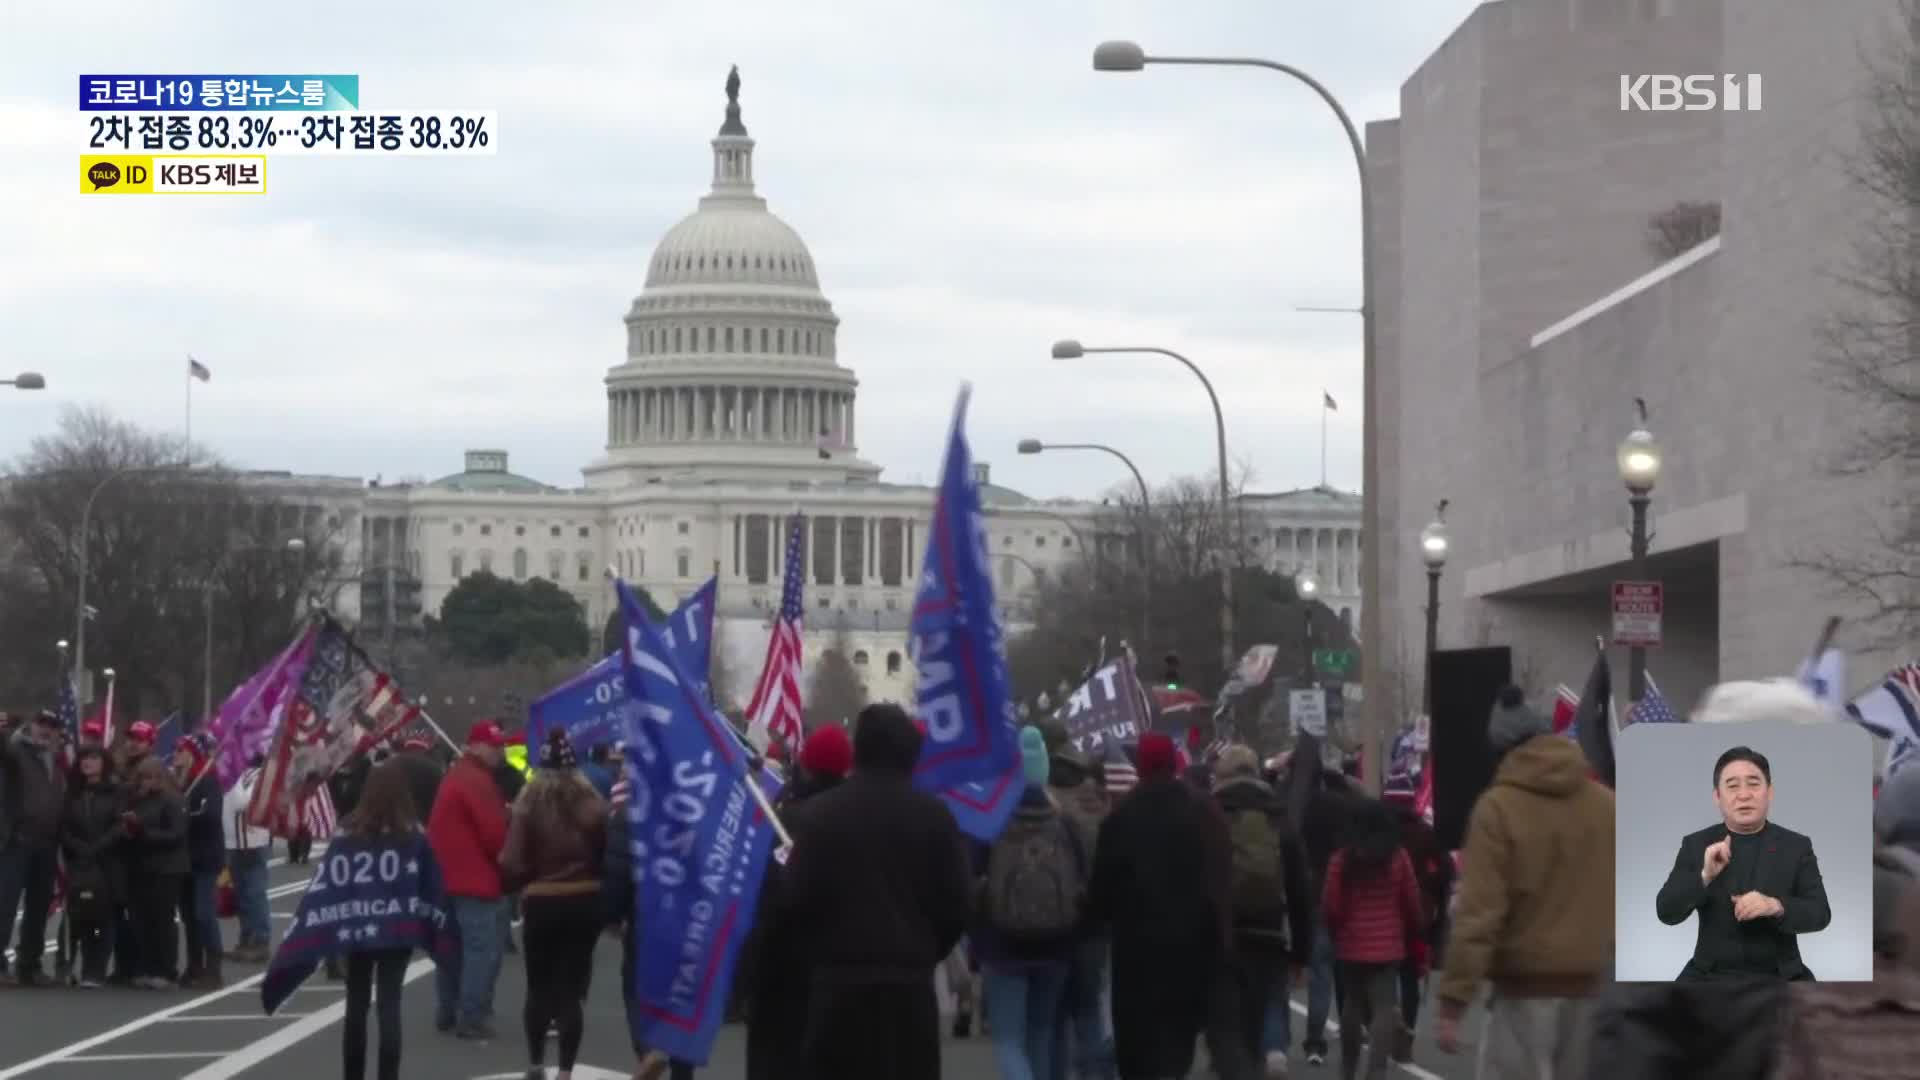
(1754, 884)
(32, 799)
(878, 884)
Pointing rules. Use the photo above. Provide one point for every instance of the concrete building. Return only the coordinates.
(1521, 312)
(729, 412)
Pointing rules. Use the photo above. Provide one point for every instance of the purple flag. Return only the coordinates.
(243, 728)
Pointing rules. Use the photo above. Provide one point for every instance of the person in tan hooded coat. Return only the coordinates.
(1534, 923)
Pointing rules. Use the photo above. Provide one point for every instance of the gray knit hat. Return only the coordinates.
(1513, 721)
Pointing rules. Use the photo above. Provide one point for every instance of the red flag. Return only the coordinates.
(1566, 705)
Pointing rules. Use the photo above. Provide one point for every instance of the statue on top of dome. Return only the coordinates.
(733, 86)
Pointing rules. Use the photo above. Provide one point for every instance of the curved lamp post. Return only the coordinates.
(1069, 349)
(26, 380)
(1433, 551)
(1639, 461)
(1035, 446)
(1129, 56)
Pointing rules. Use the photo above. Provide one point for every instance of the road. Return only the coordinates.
(62, 1034)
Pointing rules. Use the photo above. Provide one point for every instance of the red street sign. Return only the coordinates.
(1637, 607)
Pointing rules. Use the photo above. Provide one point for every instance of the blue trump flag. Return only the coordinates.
(590, 705)
(699, 845)
(371, 893)
(971, 753)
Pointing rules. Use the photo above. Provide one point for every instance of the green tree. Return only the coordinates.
(835, 692)
(615, 631)
(489, 620)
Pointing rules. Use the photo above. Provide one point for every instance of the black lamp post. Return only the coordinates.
(1639, 460)
(1433, 549)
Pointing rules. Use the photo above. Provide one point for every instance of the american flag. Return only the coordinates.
(68, 709)
(317, 813)
(1891, 710)
(1653, 709)
(774, 711)
(1119, 772)
(1566, 710)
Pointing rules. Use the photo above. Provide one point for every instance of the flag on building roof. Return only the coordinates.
(1117, 770)
(198, 370)
(774, 711)
(1329, 402)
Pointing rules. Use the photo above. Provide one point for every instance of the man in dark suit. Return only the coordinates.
(1755, 885)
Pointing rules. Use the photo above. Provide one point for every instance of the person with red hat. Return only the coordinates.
(1160, 885)
(779, 973)
(468, 829)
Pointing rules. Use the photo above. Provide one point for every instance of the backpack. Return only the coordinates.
(1258, 885)
(1036, 881)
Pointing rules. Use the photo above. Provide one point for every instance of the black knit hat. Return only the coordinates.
(557, 751)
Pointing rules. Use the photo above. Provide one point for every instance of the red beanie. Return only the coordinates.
(827, 752)
(1156, 755)
(1193, 740)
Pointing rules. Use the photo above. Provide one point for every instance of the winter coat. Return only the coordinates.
(1294, 931)
(876, 890)
(555, 858)
(992, 949)
(775, 967)
(206, 836)
(1160, 886)
(32, 793)
(1372, 919)
(1534, 914)
(467, 828)
(92, 840)
(157, 843)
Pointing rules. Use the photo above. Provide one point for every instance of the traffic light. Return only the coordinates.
(1171, 676)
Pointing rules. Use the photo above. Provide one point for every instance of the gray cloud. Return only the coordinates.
(971, 191)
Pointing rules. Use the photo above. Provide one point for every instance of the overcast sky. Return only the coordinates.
(970, 188)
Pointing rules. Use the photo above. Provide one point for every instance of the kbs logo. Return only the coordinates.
(1689, 93)
(210, 174)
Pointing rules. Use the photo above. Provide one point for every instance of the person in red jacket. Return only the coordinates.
(468, 829)
(1372, 908)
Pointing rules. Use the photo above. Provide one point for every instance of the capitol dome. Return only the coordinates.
(731, 352)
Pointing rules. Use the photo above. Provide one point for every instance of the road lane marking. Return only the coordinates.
(232, 1016)
(139, 1023)
(176, 1056)
(267, 1046)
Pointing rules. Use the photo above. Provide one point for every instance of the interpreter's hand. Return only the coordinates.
(1753, 905)
(1446, 1034)
(1718, 854)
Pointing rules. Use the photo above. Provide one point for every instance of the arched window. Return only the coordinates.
(520, 563)
(677, 345)
(893, 662)
(763, 339)
(486, 562)
(554, 562)
(727, 340)
(457, 565)
(860, 658)
(780, 341)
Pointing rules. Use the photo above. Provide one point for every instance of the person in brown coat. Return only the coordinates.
(1531, 919)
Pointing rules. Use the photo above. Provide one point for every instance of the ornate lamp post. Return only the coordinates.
(1433, 549)
(1639, 461)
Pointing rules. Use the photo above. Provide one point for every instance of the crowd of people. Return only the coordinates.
(1112, 931)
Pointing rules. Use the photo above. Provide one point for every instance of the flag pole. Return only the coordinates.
(188, 454)
(1825, 640)
(1323, 438)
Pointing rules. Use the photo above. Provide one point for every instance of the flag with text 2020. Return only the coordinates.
(591, 705)
(962, 695)
(699, 845)
(365, 894)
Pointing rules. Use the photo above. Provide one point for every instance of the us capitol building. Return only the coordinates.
(730, 412)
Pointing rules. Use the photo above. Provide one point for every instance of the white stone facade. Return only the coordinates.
(730, 413)
(1521, 313)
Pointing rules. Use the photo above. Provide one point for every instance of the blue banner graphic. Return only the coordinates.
(219, 93)
(983, 808)
(962, 695)
(592, 704)
(699, 844)
(380, 893)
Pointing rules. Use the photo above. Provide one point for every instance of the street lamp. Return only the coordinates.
(1305, 587)
(294, 546)
(1639, 461)
(1129, 56)
(1069, 349)
(26, 380)
(1433, 549)
(1035, 446)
